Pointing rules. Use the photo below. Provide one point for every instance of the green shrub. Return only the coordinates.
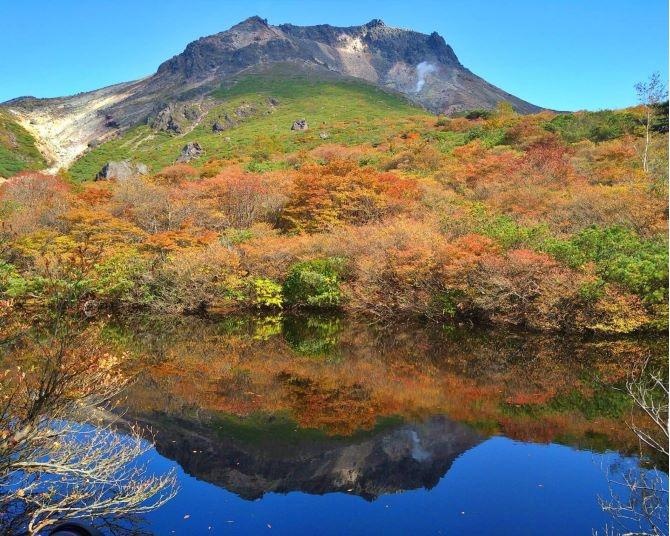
(12, 284)
(447, 302)
(117, 279)
(659, 122)
(623, 257)
(479, 114)
(233, 236)
(620, 256)
(592, 291)
(594, 126)
(490, 137)
(507, 232)
(261, 166)
(447, 140)
(314, 283)
(266, 293)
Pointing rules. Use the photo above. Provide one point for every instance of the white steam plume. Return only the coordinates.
(422, 70)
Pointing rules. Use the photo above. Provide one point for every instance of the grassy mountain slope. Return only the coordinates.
(260, 111)
(18, 151)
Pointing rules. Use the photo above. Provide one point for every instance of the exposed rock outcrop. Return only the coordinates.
(121, 170)
(190, 151)
(245, 110)
(300, 124)
(164, 121)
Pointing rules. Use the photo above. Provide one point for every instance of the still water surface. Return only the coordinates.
(325, 425)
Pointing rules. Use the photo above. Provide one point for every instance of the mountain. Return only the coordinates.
(422, 68)
(252, 463)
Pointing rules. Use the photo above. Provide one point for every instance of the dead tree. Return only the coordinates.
(640, 496)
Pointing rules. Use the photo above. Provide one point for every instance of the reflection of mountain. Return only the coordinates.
(402, 457)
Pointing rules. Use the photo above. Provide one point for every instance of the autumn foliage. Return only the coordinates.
(543, 221)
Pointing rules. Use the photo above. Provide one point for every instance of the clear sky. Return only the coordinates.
(560, 54)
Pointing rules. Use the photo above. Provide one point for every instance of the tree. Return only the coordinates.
(61, 453)
(32, 200)
(645, 502)
(340, 192)
(650, 94)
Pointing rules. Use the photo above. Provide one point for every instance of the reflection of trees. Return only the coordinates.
(525, 386)
(312, 335)
(52, 467)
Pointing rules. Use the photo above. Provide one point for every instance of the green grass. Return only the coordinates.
(350, 112)
(17, 148)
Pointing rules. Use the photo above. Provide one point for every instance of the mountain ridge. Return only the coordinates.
(421, 67)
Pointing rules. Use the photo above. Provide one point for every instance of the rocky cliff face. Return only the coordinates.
(422, 67)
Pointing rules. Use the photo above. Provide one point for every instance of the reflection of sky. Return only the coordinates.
(499, 487)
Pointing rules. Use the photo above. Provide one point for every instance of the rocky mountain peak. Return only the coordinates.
(251, 23)
(375, 22)
(421, 66)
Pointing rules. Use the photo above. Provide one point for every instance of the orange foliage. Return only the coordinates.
(340, 192)
(473, 164)
(96, 194)
(179, 239)
(34, 200)
(235, 198)
(176, 173)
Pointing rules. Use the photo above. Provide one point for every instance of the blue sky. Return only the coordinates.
(560, 54)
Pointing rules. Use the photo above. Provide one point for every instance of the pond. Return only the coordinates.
(328, 425)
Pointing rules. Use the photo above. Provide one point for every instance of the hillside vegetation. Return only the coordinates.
(18, 151)
(258, 113)
(545, 221)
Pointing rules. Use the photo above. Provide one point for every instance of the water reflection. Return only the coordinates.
(339, 377)
(318, 404)
(272, 456)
